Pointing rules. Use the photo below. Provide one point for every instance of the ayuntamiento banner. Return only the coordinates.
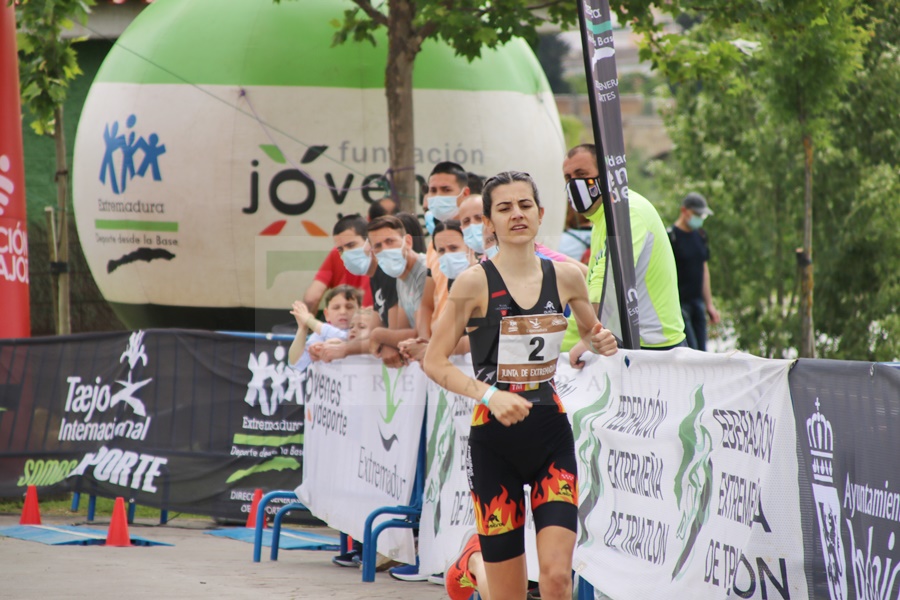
(182, 420)
(848, 416)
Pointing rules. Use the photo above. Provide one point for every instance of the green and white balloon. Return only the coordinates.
(221, 138)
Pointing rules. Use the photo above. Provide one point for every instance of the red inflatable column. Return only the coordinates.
(15, 315)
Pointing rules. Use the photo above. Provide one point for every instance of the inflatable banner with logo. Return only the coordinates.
(848, 415)
(279, 131)
(363, 429)
(181, 420)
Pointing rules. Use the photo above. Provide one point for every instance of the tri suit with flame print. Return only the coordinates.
(538, 451)
(558, 486)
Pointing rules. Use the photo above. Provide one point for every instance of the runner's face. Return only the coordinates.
(515, 216)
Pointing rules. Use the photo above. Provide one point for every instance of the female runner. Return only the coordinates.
(511, 306)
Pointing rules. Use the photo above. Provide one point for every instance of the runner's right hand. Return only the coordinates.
(508, 408)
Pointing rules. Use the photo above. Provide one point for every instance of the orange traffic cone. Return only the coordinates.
(118, 526)
(251, 518)
(31, 513)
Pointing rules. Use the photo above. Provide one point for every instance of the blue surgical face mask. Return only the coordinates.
(357, 261)
(429, 222)
(454, 263)
(443, 207)
(392, 261)
(473, 236)
(492, 251)
(696, 222)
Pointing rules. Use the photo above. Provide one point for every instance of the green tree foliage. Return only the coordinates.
(757, 88)
(47, 61)
(47, 64)
(466, 25)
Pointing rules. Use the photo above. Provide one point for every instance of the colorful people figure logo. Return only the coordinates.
(120, 152)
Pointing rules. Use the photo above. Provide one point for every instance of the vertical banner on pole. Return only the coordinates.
(619, 304)
(15, 318)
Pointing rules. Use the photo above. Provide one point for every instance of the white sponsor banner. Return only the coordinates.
(675, 451)
(362, 432)
(448, 517)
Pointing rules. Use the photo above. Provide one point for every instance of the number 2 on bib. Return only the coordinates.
(529, 348)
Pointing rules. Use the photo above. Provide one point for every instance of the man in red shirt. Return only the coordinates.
(333, 273)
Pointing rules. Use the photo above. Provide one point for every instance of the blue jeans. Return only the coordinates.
(694, 313)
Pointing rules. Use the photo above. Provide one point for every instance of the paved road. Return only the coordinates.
(197, 566)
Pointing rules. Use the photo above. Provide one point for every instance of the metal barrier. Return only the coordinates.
(412, 512)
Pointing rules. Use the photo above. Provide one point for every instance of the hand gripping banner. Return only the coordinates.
(15, 318)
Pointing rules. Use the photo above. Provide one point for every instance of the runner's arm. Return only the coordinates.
(450, 326)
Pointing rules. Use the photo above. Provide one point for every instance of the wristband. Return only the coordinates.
(487, 395)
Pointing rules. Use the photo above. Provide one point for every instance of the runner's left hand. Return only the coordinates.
(602, 341)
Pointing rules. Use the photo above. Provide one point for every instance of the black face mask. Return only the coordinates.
(583, 193)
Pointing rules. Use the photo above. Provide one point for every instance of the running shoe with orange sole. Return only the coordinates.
(458, 580)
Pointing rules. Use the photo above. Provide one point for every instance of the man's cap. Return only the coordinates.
(697, 203)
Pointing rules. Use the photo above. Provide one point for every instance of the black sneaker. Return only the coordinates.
(348, 559)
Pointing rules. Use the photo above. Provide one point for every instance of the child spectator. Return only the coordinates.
(340, 304)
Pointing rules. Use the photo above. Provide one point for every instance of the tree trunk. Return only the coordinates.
(63, 322)
(50, 215)
(403, 46)
(807, 331)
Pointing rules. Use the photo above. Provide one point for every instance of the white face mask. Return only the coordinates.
(443, 208)
(357, 261)
(696, 221)
(392, 261)
(473, 236)
(453, 263)
(492, 251)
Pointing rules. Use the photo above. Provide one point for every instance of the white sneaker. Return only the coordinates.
(436, 579)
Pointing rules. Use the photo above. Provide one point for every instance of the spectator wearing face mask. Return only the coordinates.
(454, 257)
(392, 248)
(691, 248)
(448, 187)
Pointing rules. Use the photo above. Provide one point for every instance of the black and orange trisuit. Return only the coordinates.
(516, 350)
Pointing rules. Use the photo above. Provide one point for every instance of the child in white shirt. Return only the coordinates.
(340, 305)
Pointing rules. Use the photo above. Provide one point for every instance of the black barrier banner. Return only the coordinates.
(848, 418)
(182, 420)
